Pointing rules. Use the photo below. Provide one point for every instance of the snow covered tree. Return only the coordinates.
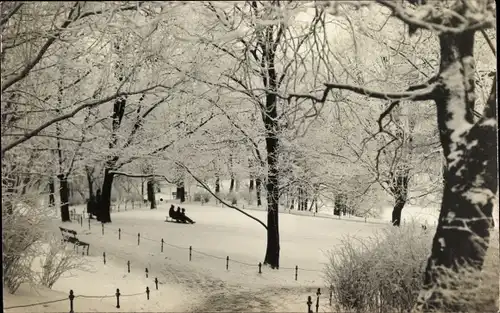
(469, 145)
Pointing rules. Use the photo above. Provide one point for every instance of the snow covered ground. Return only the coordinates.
(202, 284)
(95, 288)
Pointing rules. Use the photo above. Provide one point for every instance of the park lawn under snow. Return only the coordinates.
(203, 283)
(97, 284)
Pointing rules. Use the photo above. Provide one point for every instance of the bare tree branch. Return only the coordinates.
(222, 201)
(71, 19)
(415, 93)
(35, 132)
(10, 14)
(132, 175)
(490, 43)
(426, 18)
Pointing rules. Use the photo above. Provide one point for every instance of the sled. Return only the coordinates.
(171, 220)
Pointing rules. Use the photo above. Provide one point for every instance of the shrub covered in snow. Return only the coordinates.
(56, 259)
(21, 232)
(384, 273)
(201, 196)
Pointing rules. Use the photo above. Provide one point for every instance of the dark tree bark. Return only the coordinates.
(64, 195)
(231, 186)
(340, 204)
(90, 182)
(217, 185)
(177, 192)
(151, 193)
(399, 189)
(52, 191)
(104, 206)
(312, 205)
(63, 179)
(272, 187)
(104, 213)
(258, 186)
(250, 187)
(470, 149)
(299, 199)
(182, 192)
(292, 205)
(396, 212)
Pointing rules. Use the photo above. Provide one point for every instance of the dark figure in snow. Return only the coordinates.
(178, 215)
(185, 218)
(172, 213)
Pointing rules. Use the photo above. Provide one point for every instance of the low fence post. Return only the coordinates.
(190, 252)
(162, 245)
(102, 226)
(128, 266)
(117, 298)
(318, 293)
(147, 272)
(138, 238)
(71, 297)
(296, 271)
(119, 234)
(309, 303)
(260, 268)
(156, 282)
(89, 222)
(104, 257)
(147, 292)
(227, 263)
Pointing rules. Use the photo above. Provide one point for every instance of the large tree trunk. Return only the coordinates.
(470, 149)
(217, 185)
(104, 205)
(231, 185)
(64, 195)
(299, 199)
(177, 192)
(142, 188)
(182, 192)
(399, 189)
(272, 186)
(90, 183)
(250, 187)
(273, 243)
(151, 193)
(52, 191)
(258, 186)
(396, 212)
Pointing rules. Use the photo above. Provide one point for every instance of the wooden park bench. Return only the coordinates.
(69, 235)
